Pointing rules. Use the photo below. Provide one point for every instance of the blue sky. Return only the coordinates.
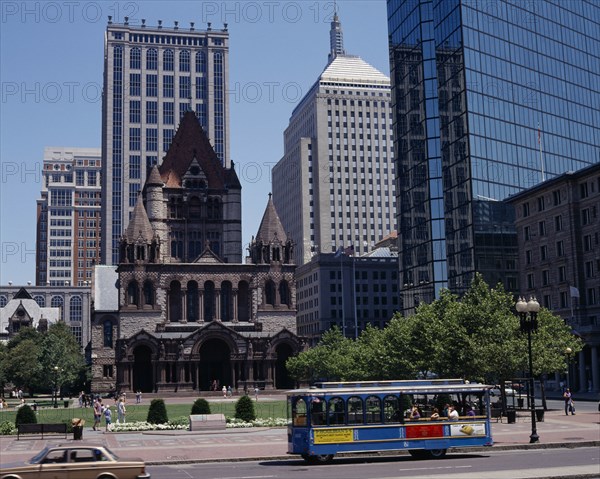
(51, 76)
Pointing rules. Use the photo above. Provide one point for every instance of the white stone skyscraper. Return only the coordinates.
(334, 186)
(152, 76)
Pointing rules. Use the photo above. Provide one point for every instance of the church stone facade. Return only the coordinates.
(190, 315)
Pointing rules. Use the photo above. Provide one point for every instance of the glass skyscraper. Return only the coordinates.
(489, 98)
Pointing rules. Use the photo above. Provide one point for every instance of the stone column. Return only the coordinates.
(582, 377)
(168, 302)
(183, 305)
(217, 304)
(235, 305)
(201, 306)
(595, 371)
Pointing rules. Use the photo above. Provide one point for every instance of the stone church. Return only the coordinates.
(190, 315)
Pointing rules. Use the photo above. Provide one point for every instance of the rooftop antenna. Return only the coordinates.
(336, 37)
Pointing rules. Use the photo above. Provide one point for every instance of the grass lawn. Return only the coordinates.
(139, 412)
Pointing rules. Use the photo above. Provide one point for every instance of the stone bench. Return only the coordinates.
(205, 422)
(42, 429)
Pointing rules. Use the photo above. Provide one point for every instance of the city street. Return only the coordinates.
(582, 462)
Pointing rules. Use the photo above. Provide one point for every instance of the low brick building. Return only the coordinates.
(188, 314)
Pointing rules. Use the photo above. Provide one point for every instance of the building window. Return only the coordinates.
(527, 233)
(135, 59)
(562, 274)
(525, 210)
(135, 111)
(542, 228)
(564, 300)
(107, 371)
(557, 198)
(184, 61)
(76, 309)
(544, 252)
(589, 269)
(540, 202)
(135, 142)
(585, 216)
(545, 277)
(583, 190)
(151, 139)
(152, 59)
(168, 88)
(168, 60)
(135, 81)
(558, 223)
(587, 243)
(530, 281)
(108, 333)
(135, 171)
(528, 256)
(560, 248)
(168, 113)
(591, 296)
(152, 112)
(547, 300)
(152, 85)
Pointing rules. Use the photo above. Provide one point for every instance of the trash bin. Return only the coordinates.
(66, 403)
(539, 415)
(520, 402)
(77, 424)
(511, 416)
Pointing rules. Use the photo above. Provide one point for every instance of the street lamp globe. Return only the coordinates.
(532, 305)
(568, 351)
(521, 305)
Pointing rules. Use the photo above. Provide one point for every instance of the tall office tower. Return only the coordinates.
(152, 76)
(334, 185)
(488, 99)
(68, 217)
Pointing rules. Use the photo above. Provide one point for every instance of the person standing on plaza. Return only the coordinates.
(107, 416)
(97, 412)
(121, 411)
(224, 391)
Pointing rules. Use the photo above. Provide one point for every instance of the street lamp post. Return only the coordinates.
(528, 311)
(55, 385)
(568, 352)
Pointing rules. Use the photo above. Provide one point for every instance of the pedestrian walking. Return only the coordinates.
(256, 393)
(229, 391)
(97, 413)
(569, 406)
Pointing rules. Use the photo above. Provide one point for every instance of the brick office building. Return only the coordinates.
(558, 231)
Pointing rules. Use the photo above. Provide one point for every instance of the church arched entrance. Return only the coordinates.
(215, 364)
(142, 369)
(282, 378)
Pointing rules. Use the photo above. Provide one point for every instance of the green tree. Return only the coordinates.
(3, 357)
(23, 364)
(244, 409)
(62, 357)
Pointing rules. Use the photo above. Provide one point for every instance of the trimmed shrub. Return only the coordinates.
(200, 406)
(25, 415)
(157, 413)
(6, 428)
(244, 409)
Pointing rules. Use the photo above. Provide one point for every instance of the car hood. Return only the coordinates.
(13, 465)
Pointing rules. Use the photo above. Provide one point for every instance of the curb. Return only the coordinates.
(552, 445)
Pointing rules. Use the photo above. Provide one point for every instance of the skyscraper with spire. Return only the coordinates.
(334, 186)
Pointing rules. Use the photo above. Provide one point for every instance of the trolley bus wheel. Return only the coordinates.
(418, 453)
(437, 453)
(318, 459)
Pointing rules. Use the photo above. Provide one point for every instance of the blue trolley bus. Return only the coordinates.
(334, 417)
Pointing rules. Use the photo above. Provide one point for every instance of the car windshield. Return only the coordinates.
(112, 454)
(39, 456)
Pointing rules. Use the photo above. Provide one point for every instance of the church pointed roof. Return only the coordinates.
(270, 225)
(154, 177)
(191, 142)
(139, 225)
(22, 294)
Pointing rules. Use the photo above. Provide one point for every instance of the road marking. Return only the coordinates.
(434, 468)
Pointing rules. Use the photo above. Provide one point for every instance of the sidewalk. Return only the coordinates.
(156, 447)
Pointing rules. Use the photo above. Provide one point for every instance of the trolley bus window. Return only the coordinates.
(335, 411)
(355, 410)
(373, 410)
(299, 412)
(317, 412)
(391, 409)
